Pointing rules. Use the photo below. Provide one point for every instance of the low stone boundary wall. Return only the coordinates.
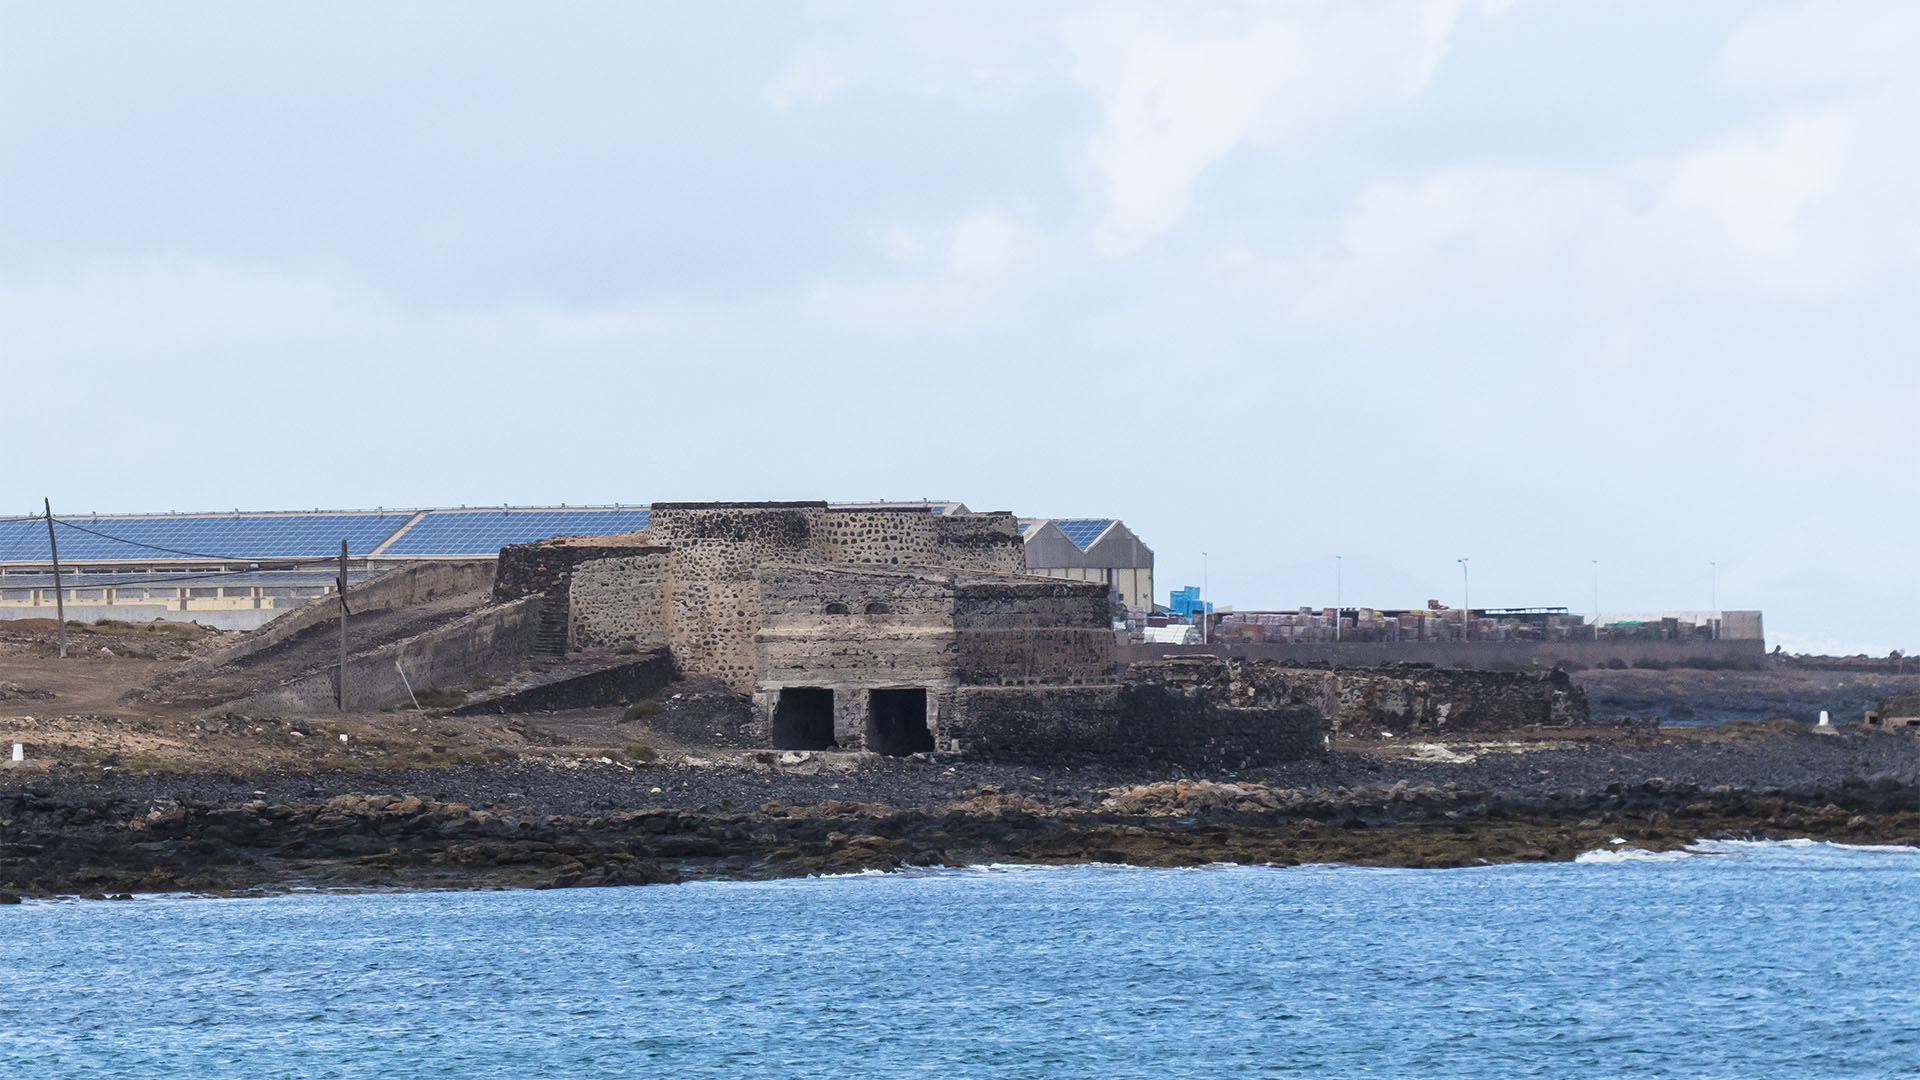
(1482, 655)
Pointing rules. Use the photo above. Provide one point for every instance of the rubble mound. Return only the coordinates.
(10, 691)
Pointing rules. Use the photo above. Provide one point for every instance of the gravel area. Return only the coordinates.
(1791, 760)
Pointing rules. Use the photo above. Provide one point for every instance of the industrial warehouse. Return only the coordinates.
(237, 571)
(899, 628)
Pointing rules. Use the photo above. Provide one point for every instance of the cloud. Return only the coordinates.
(1180, 87)
(1821, 44)
(965, 269)
(1457, 287)
(810, 76)
(1782, 207)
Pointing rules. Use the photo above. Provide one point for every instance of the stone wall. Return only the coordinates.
(526, 569)
(619, 601)
(1014, 632)
(712, 598)
(1207, 713)
(494, 639)
(619, 684)
(712, 595)
(1490, 655)
(904, 537)
(693, 581)
(401, 587)
(852, 631)
(989, 543)
(1149, 723)
(1399, 699)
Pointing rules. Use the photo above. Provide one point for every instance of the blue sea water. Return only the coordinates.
(1740, 960)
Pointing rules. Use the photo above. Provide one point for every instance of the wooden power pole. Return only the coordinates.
(340, 692)
(59, 597)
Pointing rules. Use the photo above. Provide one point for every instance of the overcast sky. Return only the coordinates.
(1531, 283)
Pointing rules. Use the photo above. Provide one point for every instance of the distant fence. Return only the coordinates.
(1748, 653)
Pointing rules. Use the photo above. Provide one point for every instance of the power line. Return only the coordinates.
(74, 581)
(177, 551)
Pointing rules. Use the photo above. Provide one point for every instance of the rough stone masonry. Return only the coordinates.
(902, 631)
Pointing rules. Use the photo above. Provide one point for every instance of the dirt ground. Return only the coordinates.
(1695, 696)
(93, 723)
(90, 721)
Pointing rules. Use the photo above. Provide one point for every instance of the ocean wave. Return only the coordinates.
(1631, 854)
(1755, 847)
(1736, 848)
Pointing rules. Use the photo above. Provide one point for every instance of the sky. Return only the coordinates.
(1618, 290)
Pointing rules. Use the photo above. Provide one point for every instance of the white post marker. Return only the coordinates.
(19, 751)
(1824, 722)
(406, 682)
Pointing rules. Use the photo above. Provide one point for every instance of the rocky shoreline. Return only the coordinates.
(575, 823)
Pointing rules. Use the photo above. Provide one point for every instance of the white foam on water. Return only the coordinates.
(1757, 847)
(1631, 855)
(1736, 848)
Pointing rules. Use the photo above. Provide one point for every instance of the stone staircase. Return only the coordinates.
(581, 681)
(550, 637)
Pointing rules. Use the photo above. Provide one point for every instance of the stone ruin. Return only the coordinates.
(901, 631)
(891, 630)
(897, 631)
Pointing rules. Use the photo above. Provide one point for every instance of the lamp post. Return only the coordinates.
(1336, 598)
(1205, 592)
(1466, 603)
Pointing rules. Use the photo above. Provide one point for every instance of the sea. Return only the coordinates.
(1778, 959)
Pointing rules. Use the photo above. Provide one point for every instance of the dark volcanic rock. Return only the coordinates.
(552, 826)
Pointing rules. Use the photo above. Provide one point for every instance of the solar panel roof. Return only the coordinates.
(234, 537)
(256, 536)
(1083, 531)
(485, 532)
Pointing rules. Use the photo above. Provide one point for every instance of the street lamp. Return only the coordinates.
(1336, 598)
(1596, 592)
(1466, 603)
(1206, 593)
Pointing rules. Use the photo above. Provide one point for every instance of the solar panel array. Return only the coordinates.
(1083, 531)
(245, 537)
(485, 532)
(234, 537)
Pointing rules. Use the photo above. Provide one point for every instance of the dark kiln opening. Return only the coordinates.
(803, 719)
(897, 722)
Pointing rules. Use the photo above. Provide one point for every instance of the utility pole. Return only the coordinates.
(1713, 596)
(1336, 598)
(1596, 593)
(341, 690)
(1466, 604)
(59, 596)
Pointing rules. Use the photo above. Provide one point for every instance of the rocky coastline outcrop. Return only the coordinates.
(605, 825)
